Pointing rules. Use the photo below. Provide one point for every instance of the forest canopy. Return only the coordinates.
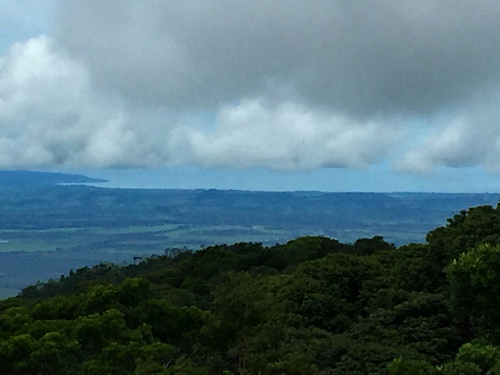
(311, 306)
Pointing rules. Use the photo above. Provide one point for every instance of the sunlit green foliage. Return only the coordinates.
(474, 279)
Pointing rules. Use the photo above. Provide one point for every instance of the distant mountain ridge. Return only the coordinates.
(18, 178)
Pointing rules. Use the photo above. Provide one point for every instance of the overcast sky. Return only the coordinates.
(324, 94)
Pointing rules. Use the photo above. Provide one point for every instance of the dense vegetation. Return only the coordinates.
(311, 306)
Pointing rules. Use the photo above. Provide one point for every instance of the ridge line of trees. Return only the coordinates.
(311, 306)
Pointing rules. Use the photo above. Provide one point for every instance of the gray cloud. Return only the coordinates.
(360, 58)
(288, 84)
(51, 114)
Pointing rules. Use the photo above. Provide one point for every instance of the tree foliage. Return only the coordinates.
(311, 306)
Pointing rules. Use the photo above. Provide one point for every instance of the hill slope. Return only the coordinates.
(312, 306)
(21, 178)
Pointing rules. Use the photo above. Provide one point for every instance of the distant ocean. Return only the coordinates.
(373, 179)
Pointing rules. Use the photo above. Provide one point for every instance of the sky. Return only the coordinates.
(333, 95)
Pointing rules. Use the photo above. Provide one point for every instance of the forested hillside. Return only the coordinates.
(311, 306)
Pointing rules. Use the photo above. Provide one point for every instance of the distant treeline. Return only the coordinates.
(311, 306)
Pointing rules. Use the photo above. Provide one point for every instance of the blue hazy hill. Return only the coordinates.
(21, 178)
(52, 222)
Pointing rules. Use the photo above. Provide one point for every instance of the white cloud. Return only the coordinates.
(469, 136)
(49, 114)
(285, 136)
(291, 84)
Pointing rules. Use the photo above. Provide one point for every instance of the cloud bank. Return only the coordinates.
(287, 84)
(49, 114)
